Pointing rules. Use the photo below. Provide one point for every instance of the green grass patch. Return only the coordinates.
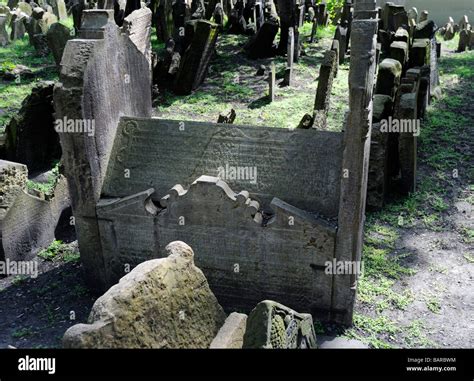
(58, 251)
(48, 187)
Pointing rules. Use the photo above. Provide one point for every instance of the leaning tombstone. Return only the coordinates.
(25, 8)
(17, 26)
(194, 64)
(323, 93)
(57, 37)
(464, 37)
(46, 21)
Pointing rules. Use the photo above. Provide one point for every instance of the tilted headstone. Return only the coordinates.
(420, 52)
(46, 21)
(323, 93)
(272, 325)
(464, 39)
(341, 36)
(123, 72)
(155, 301)
(464, 23)
(137, 26)
(426, 29)
(261, 46)
(399, 52)
(290, 56)
(27, 223)
(57, 36)
(231, 334)
(194, 64)
(17, 25)
(388, 78)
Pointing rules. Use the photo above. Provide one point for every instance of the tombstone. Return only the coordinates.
(378, 179)
(341, 36)
(62, 11)
(46, 21)
(471, 40)
(413, 14)
(407, 143)
(137, 26)
(40, 43)
(335, 48)
(423, 16)
(218, 15)
(449, 33)
(420, 52)
(271, 82)
(160, 290)
(314, 30)
(323, 94)
(57, 36)
(261, 46)
(393, 17)
(123, 73)
(385, 39)
(12, 4)
(402, 35)
(133, 220)
(32, 27)
(17, 26)
(196, 59)
(464, 39)
(388, 78)
(4, 38)
(77, 7)
(38, 13)
(27, 222)
(399, 51)
(25, 8)
(464, 22)
(425, 29)
(231, 334)
(288, 80)
(272, 325)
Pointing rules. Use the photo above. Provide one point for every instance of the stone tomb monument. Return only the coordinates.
(265, 209)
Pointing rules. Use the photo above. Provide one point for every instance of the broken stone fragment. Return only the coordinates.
(272, 325)
(162, 303)
(231, 334)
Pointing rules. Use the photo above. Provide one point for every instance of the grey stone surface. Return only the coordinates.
(231, 239)
(4, 37)
(290, 163)
(420, 52)
(195, 61)
(57, 36)
(327, 72)
(46, 21)
(163, 303)
(399, 52)
(272, 325)
(137, 26)
(378, 167)
(231, 334)
(125, 89)
(27, 223)
(388, 77)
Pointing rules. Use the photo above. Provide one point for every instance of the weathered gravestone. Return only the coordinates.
(296, 209)
(394, 16)
(399, 52)
(388, 78)
(231, 334)
(17, 25)
(163, 303)
(25, 8)
(27, 222)
(195, 62)
(272, 325)
(113, 61)
(261, 46)
(4, 38)
(137, 26)
(58, 35)
(327, 73)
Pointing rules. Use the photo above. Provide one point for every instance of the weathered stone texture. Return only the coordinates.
(163, 303)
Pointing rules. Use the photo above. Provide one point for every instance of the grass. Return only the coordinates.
(226, 88)
(22, 333)
(48, 187)
(58, 250)
(12, 93)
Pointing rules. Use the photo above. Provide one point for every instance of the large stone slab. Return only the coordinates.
(231, 334)
(245, 255)
(27, 223)
(164, 303)
(290, 164)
